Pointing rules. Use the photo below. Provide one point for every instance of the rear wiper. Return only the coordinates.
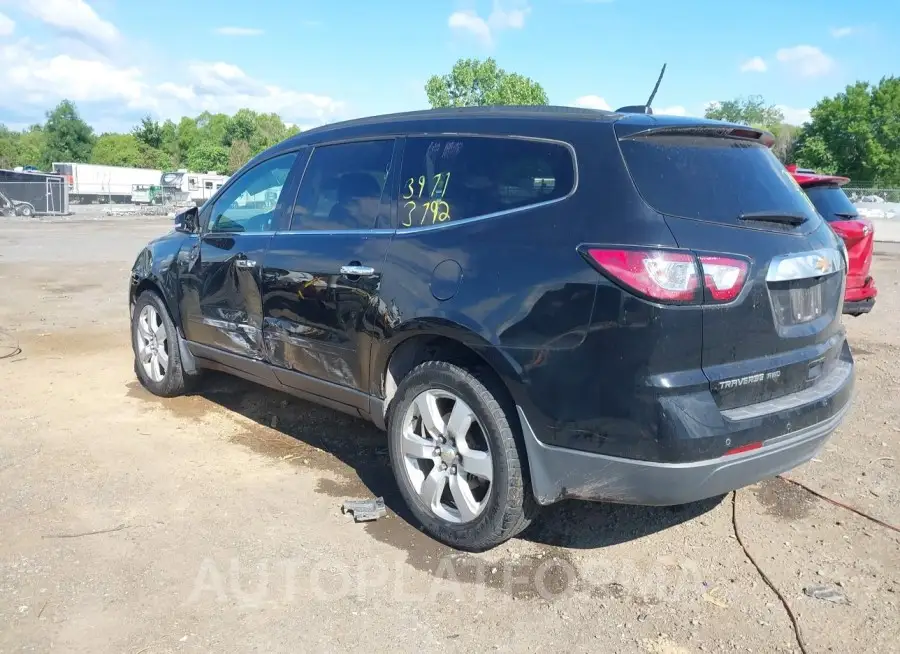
(846, 215)
(774, 217)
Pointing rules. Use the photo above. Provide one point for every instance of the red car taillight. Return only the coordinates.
(672, 276)
(723, 276)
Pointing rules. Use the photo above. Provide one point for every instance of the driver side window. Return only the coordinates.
(250, 203)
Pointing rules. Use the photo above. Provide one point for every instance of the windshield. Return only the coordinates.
(712, 178)
(832, 203)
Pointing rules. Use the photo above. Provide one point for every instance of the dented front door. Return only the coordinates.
(228, 312)
(222, 277)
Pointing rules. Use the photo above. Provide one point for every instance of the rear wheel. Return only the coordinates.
(456, 459)
(26, 210)
(157, 357)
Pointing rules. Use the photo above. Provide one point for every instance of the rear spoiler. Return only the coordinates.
(722, 131)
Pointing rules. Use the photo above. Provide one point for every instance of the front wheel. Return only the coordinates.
(26, 210)
(457, 461)
(157, 357)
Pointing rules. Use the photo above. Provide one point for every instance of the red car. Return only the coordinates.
(857, 232)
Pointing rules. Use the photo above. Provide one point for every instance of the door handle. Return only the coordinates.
(357, 271)
(244, 263)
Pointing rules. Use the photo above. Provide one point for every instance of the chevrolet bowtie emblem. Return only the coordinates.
(822, 264)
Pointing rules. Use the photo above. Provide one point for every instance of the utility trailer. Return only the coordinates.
(92, 183)
(183, 187)
(30, 194)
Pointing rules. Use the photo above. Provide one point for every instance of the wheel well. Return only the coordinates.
(418, 349)
(148, 285)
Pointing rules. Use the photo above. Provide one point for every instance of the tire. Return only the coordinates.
(507, 507)
(26, 210)
(171, 379)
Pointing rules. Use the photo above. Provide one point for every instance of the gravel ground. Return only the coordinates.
(213, 523)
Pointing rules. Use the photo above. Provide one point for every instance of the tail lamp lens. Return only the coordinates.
(670, 276)
(723, 277)
(658, 274)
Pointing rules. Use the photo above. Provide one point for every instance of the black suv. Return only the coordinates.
(535, 303)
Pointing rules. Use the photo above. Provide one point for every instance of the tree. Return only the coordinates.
(477, 83)
(186, 137)
(211, 128)
(238, 154)
(69, 138)
(785, 146)
(148, 132)
(169, 140)
(117, 150)
(240, 127)
(205, 157)
(751, 110)
(856, 133)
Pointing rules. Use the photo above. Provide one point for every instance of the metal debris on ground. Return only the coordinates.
(365, 510)
(826, 593)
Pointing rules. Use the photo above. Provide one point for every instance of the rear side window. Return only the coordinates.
(832, 203)
(344, 187)
(455, 178)
(711, 178)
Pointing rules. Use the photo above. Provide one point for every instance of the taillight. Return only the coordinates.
(723, 276)
(658, 274)
(673, 276)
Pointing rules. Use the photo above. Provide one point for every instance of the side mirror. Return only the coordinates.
(188, 221)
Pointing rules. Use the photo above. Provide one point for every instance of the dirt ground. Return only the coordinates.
(213, 522)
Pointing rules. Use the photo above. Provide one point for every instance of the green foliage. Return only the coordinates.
(149, 132)
(477, 83)
(238, 154)
(785, 146)
(856, 133)
(207, 156)
(68, 137)
(117, 150)
(208, 142)
(750, 110)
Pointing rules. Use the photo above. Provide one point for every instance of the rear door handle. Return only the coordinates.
(357, 271)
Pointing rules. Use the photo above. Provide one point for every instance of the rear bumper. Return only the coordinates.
(558, 473)
(859, 307)
(860, 297)
(587, 476)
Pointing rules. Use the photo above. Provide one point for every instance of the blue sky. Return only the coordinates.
(317, 61)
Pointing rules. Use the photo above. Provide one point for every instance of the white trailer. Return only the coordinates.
(183, 187)
(92, 183)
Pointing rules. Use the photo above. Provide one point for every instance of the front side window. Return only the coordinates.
(246, 205)
(344, 187)
(455, 178)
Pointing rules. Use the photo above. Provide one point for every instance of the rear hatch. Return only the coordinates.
(726, 198)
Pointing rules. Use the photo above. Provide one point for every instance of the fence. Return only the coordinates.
(858, 193)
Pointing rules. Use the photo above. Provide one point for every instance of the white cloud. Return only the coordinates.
(72, 18)
(754, 65)
(220, 86)
(29, 78)
(7, 25)
(805, 60)
(794, 116)
(486, 30)
(841, 32)
(674, 110)
(35, 82)
(592, 102)
(239, 31)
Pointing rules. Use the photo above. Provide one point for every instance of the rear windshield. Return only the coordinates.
(712, 178)
(832, 203)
